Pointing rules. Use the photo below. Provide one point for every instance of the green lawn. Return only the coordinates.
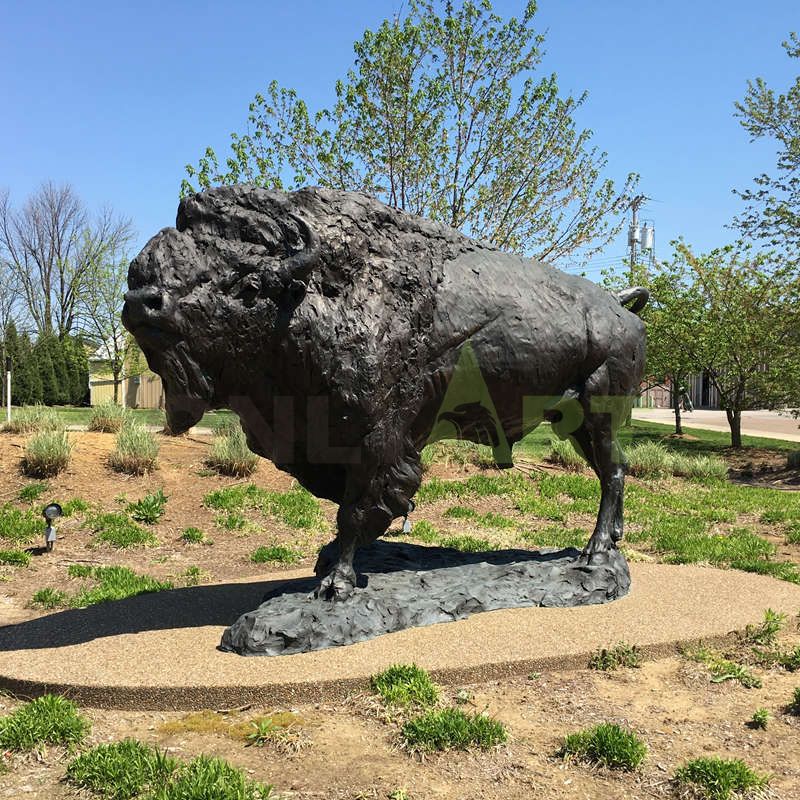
(74, 415)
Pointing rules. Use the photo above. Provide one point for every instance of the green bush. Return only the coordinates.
(113, 583)
(108, 418)
(405, 684)
(230, 455)
(563, 453)
(136, 450)
(49, 719)
(19, 527)
(277, 553)
(46, 454)
(621, 655)
(30, 419)
(149, 509)
(119, 531)
(452, 728)
(606, 744)
(16, 558)
(48, 598)
(718, 778)
(32, 492)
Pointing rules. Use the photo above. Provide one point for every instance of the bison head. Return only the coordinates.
(206, 296)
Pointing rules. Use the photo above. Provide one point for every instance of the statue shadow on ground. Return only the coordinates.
(222, 604)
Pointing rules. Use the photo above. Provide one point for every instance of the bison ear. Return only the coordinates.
(296, 291)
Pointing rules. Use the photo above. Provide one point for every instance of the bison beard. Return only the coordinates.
(333, 326)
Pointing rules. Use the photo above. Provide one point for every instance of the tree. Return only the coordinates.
(773, 210)
(77, 363)
(26, 385)
(49, 246)
(100, 315)
(443, 116)
(736, 314)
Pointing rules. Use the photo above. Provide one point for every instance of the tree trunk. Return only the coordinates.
(676, 400)
(735, 423)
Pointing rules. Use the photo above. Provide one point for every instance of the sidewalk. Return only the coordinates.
(768, 424)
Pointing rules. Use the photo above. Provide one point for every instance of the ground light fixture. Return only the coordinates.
(51, 513)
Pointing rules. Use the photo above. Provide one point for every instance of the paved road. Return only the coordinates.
(768, 424)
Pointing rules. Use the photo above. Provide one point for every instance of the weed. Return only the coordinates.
(15, 558)
(606, 744)
(49, 719)
(115, 583)
(230, 455)
(210, 779)
(794, 703)
(194, 576)
(621, 655)
(121, 770)
(32, 492)
(193, 536)
(283, 555)
(150, 508)
(48, 598)
(136, 450)
(405, 684)
(79, 570)
(19, 527)
(790, 661)
(718, 778)
(30, 419)
(759, 719)
(452, 728)
(767, 632)
(722, 669)
(46, 454)
(108, 418)
(74, 505)
(283, 738)
(232, 521)
(119, 531)
(460, 512)
(793, 533)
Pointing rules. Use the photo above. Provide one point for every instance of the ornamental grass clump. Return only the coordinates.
(49, 719)
(719, 778)
(30, 419)
(46, 454)
(608, 745)
(136, 450)
(108, 418)
(564, 455)
(230, 455)
(404, 685)
(451, 728)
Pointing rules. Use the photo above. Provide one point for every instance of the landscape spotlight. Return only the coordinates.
(51, 513)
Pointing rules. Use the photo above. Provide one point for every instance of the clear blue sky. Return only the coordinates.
(117, 97)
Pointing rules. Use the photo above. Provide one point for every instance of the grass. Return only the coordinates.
(296, 508)
(15, 558)
(606, 744)
(30, 419)
(46, 454)
(229, 454)
(32, 492)
(149, 509)
(718, 778)
(452, 728)
(121, 770)
(112, 583)
(405, 685)
(456, 452)
(81, 415)
(135, 452)
(490, 520)
(120, 531)
(793, 533)
(794, 704)
(563, 454)
(108, 418)
(621, 655)
(193, 536)
(207, 778)
(275, 553)
(48, 598)
(75, 505)
(49, 719)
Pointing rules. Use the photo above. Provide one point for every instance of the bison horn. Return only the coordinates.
(300, 265)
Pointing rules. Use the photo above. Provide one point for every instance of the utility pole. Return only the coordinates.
(634, 232)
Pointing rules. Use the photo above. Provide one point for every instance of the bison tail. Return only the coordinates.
(634, 299)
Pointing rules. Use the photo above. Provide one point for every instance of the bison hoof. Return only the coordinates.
(338, 585)
(597, 547)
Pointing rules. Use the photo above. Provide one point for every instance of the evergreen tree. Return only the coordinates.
(26, 387)
(44, 361)
(78, 369)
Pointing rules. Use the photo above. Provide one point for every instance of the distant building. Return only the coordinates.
(143, 390)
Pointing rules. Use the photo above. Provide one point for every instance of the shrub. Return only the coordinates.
(108, 418)
(564, 455)
(114, 583)
(46, 454)
(230, 455)
(30, 419)
(405, 684)
(32, 492)
(119, 531)
(606, 744)
(193, 536)
(16, 558)
(452, 728)
(49, 719)
(283, 555)
(136, 450)
(48, 598)
(759, 719)
(621, 655)
(19, 527)
(150, 508)
(719, 778)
